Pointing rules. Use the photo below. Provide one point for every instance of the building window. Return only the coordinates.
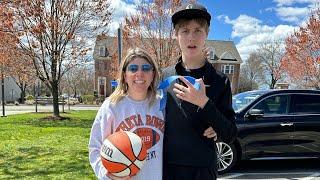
(211, 55)
(102, 84)
(227, 69)
(103, 51)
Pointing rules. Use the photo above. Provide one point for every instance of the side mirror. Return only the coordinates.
(255, 113)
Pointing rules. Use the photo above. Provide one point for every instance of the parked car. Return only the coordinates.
(273, 124)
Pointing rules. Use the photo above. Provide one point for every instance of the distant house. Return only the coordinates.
(225, 58)
(102, 55)
(11, 90)
(222, 54)
(282, 85)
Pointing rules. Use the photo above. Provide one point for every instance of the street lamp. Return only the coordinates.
(2, 93)
(119, 44)
(37, 92)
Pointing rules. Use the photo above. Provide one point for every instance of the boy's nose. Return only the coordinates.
(191, 36)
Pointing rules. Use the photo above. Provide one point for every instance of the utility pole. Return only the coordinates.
(119, 44)
(2, 93)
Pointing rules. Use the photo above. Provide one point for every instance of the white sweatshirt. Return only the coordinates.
(129, 115)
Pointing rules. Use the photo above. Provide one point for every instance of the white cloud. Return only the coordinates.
(252, 32)
(292, 14)
(291, 2)
(293, 11)
(246, 25)
(283, 31)
(121, 8)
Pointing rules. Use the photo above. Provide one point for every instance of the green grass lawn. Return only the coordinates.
(31, 148)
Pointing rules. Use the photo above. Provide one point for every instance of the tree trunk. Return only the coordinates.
(75, 91)
(22, 96)
(23, 92)
(55, 95)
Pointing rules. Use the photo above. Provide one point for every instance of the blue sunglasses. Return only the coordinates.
(133, 68)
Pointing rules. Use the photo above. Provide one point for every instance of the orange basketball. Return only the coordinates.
(123, 153)
(149, 136)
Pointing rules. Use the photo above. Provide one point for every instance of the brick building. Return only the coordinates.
(223, 55)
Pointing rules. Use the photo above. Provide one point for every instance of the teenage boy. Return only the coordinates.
(187, 153)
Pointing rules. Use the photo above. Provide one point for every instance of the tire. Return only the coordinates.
(226, 157)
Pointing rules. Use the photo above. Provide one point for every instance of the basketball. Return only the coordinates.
(149, 136)
(123, 153)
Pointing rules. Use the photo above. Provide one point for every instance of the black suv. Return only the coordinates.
(273, 124)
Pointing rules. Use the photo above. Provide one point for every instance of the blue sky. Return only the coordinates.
(246, 22)
(251, 22)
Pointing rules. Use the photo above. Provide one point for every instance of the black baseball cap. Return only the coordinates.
(191, 11)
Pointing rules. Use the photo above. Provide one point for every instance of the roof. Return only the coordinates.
(223, 47)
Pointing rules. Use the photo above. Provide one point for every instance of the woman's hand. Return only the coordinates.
(118, 178)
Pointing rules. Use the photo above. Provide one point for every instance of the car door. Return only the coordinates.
(307, 124)
(270, 135)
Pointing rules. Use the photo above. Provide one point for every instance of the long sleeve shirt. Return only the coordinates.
(133, 116)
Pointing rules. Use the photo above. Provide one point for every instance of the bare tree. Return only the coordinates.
(55, 35)
(270, 55)
(151, 28)
(250, 72)
(78, 81)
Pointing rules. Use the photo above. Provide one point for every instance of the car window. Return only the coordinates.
(307, 103)
(242, 100)
(274, 105)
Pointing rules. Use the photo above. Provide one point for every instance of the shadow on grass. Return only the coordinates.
(35, 162)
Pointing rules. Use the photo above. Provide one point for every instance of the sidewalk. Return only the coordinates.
(20, 109)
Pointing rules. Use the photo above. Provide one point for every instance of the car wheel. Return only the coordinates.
(226, 157)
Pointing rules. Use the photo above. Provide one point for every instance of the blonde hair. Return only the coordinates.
(182, 22)
(122, 89)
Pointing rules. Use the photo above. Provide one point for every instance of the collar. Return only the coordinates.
(209, 69)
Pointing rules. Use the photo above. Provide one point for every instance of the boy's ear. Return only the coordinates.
(175, 34)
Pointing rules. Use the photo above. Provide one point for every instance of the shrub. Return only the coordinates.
(88, 99)
(29, 102)
(29, 97)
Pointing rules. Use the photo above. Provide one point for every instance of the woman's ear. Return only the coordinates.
(125, 77)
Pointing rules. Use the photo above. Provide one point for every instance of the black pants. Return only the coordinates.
(178, 172)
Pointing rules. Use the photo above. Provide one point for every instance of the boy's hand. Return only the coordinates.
(190, 94)
(210, 133)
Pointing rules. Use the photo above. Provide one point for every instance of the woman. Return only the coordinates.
(138, 80)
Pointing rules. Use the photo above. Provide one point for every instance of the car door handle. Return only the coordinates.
(286, 124)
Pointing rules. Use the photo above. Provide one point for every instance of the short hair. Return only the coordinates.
(202, 22)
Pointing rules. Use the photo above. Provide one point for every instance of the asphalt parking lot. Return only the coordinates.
(306, 169)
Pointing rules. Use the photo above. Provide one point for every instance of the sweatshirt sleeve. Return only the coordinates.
(221, 116)
(101, 128)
